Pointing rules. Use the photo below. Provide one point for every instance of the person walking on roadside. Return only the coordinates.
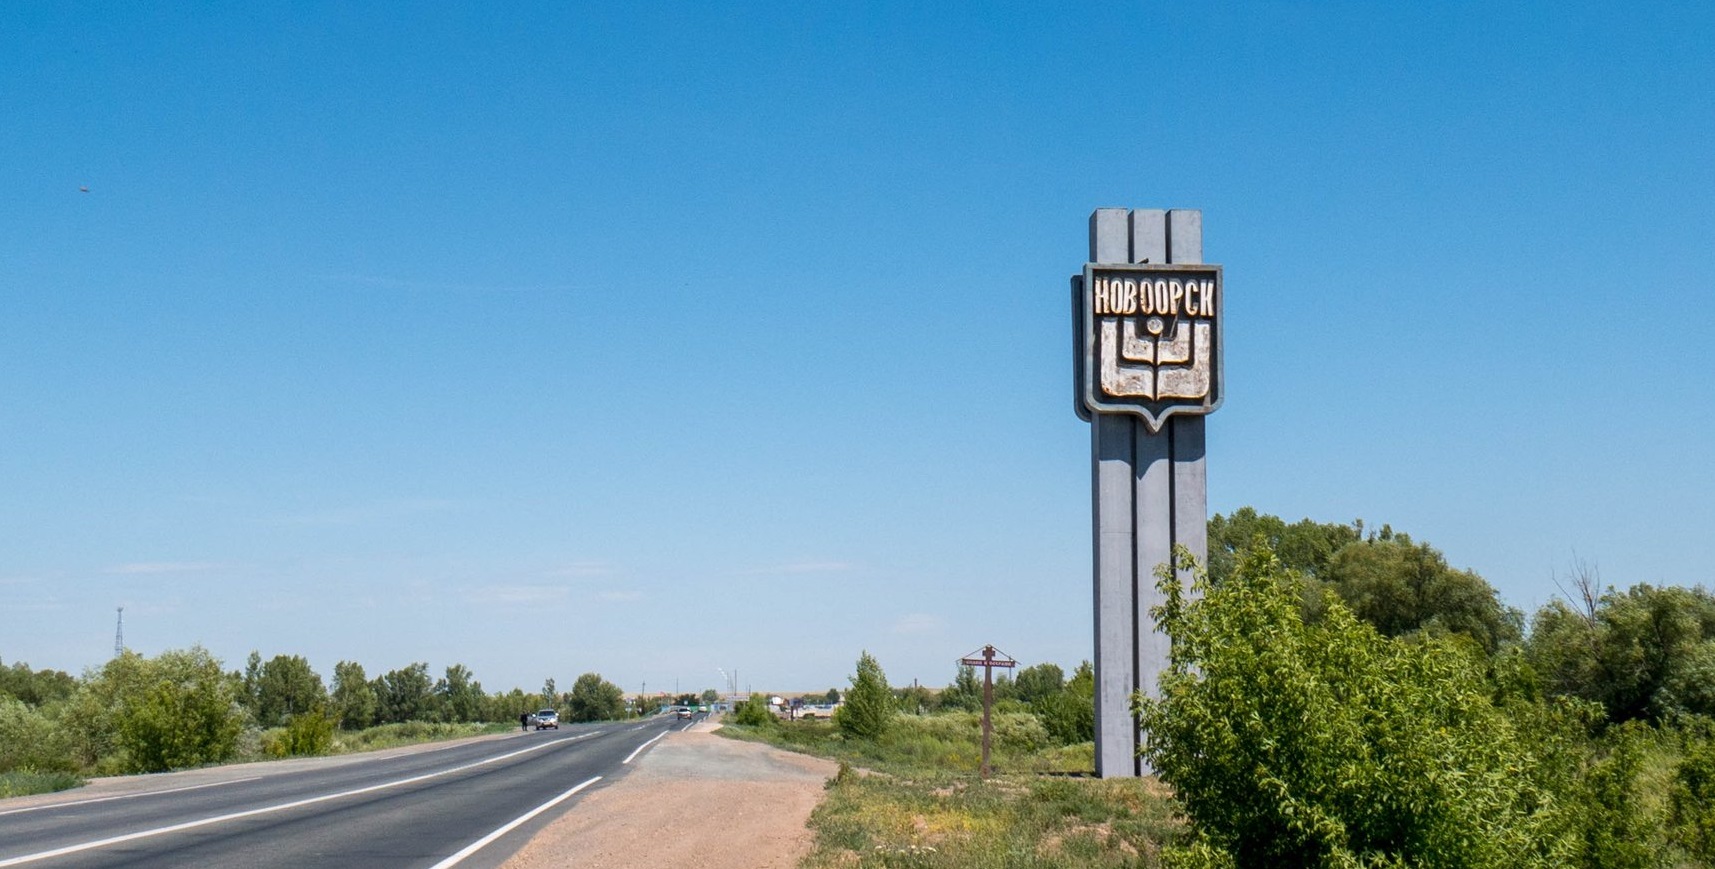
(524, 721)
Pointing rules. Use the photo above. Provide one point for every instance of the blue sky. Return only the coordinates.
(664, 339)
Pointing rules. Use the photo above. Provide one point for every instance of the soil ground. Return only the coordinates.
(712, 803)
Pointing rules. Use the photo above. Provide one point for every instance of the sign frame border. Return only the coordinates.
(1089, 400)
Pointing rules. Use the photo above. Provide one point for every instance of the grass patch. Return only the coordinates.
(256, 745)
(920, 804)
(959, 822)
(22, 783)
(946, 743)
(410, 733)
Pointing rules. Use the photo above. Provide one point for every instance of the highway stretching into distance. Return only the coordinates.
(469, 804)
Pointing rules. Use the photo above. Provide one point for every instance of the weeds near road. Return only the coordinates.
(920, 805)
(959, 822)
(22, 783)
(264, 745)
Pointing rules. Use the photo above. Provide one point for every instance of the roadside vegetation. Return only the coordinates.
(1339, 696)
(182, 709)
(907, 794)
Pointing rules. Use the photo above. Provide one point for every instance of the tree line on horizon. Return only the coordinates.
(181, 709)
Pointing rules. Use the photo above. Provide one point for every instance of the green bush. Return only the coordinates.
(1069, 714)
(1693, 795)
(1614, 827)
(1327, 744)
(22, 783)
(755, 712)
(188, 717)
(1017, 733)
(31, 740)
(869, 708)
(307, 734)
(409, 733)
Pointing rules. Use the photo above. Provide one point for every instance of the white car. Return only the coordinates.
(546, 718)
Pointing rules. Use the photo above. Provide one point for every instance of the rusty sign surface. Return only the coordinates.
(1151, 340)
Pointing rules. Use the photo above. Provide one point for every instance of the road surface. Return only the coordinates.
(469, 804)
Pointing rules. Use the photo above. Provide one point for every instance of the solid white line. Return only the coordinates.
(191, 825)
(473, 847)
(641, 747)
(128, 796)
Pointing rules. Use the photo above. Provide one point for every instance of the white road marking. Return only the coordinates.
(250, 813)
(641, 747)
(473, 847)
(128, 796)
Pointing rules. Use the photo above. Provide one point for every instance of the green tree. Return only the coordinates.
(593, 698)
(1305, 546)
(710, 696)
(508, 706)
(251, 681)
(1038, 682)
(285, 686)
(913, 699)
(35, 687)
(1069, 715)
(1641, 653)
(869, 708)
(1401, 587)
(405, 694)
(460, 695)
(965, 694)
(1298, 743)
(353, 699)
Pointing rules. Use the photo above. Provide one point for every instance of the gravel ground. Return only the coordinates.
(708, 802)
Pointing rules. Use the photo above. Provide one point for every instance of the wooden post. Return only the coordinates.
(988, 704)
(990, 659)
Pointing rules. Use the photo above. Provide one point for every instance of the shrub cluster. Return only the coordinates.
(1307, 736)
(180, 709)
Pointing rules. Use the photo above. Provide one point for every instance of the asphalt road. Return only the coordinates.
(467, 805)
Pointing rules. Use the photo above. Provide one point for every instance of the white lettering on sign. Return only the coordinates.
(1159, 297)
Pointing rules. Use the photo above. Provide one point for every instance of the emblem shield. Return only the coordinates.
(1151, 340)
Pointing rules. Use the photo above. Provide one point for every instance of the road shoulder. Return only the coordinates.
(715, 803)
(108, 787)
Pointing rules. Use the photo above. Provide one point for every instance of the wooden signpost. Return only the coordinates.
(988, 659)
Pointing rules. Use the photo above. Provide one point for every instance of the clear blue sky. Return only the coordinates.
(655, 340)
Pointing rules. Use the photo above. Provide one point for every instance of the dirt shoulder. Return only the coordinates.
(719, 803)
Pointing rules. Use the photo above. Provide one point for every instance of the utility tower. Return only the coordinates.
(119, 635)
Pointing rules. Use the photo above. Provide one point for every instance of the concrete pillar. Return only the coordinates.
(1149, 494)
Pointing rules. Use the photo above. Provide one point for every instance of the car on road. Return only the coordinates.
(546, 719)
(682, 712)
